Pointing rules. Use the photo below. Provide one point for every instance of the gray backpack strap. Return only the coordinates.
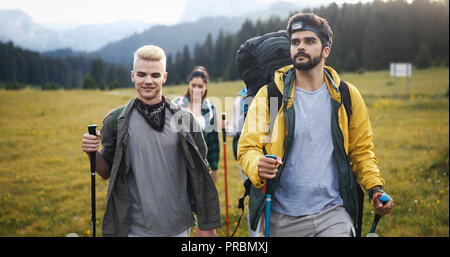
(274, 102)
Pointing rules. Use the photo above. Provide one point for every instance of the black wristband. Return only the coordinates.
(373, 190)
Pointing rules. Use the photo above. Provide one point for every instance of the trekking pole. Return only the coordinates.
(224, 137)
(384, 198)
(92, 130)
(269, 192)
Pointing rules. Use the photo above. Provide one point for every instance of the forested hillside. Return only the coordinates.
(366, 37)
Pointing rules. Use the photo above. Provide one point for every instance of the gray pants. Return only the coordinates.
(334, 221)
(186, 233)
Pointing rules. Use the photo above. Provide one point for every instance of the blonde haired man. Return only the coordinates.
(149, 151)
(150, 53)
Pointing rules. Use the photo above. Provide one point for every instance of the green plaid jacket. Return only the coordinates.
(210, 132)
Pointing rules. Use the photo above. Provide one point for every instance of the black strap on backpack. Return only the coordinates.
(241, 205)
(345, 99)
(347, 102)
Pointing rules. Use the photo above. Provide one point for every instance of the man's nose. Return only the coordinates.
(148, 80)
(301, 46)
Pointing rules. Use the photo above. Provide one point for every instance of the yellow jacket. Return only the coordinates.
(357, 135)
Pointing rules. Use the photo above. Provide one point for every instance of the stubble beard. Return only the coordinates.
(311, 63)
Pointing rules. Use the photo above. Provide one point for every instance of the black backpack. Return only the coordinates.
(259, 57)
(257, 60)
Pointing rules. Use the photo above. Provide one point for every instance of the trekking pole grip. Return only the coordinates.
(384, 198)
(92, 130)
(269, 182)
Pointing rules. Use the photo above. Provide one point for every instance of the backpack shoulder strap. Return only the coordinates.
(114, 124)
(272, 91)
(347, 102)
(346, 99)
(345, 96)
(247, 186)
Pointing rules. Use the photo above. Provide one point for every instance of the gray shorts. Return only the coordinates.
(334, 221)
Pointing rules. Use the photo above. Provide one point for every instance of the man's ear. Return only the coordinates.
(326, 52)
(132, 77)
(165, 77)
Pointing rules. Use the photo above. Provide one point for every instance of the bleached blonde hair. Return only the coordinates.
(150, 53)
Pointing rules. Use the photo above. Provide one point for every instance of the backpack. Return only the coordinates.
(259, 57)
(257, 60)
(114, 124)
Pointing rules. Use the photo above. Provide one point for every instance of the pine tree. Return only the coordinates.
(97, 70)
(423, 59)
(351, 62)
(102, 85)
(89, 82)
(115, 84)
(218, 68)
(185, 63)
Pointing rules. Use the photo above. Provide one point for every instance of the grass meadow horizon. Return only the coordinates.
(45, 177)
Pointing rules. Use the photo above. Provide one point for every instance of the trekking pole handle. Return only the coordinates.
(269, 182)
(92, 130)
(384, 198)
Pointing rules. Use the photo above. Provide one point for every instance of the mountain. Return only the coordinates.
(18, 27)
(281, 9)
(93, 37)
(196, 9)
(63, 52)
(116, 42)
(173, 38)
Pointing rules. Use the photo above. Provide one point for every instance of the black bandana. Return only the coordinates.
(155, 115)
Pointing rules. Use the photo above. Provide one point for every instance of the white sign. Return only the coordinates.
(401, 69)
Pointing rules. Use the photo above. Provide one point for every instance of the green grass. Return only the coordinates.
(45, 179)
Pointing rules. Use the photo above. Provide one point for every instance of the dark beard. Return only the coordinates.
(308, 65)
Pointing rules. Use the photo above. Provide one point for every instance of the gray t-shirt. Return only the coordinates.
(160, 205)
(310, 181)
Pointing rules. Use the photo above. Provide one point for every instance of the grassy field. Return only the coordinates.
(45, 179)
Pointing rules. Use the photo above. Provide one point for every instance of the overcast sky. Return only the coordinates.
(105, 11)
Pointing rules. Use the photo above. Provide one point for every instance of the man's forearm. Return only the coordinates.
(102, 166)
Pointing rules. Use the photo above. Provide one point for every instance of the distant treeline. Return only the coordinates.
(20, 67)
(366, 37)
